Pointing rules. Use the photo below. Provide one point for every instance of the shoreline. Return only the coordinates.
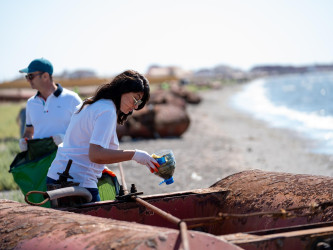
(222, 141)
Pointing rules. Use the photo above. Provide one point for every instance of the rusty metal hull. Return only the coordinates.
(241, 193)
(183, 205)
(310, 236)
(259, 191)
(27, 227)
(244, 209)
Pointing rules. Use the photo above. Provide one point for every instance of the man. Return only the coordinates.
(48, 113)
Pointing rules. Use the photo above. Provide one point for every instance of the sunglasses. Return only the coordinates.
(32, 76)
(136, 102)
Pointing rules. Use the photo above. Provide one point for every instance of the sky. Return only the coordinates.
(109, 36)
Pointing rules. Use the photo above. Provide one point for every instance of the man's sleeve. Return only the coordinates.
(27, 115)
(76, 101)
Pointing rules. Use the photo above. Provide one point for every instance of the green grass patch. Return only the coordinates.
(9, 147)
(8, 150)
(9, 127)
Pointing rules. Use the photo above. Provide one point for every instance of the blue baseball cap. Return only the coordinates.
(41, 64)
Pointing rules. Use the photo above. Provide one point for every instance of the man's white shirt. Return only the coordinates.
(51, 117)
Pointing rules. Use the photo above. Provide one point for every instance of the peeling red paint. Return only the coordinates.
(129, 225)
(29, 227)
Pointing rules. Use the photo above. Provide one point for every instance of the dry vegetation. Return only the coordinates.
(82, 82)
(22, 83)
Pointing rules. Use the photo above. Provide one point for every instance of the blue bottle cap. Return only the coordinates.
(167, 181)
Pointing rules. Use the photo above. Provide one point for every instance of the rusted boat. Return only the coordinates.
(248, 210)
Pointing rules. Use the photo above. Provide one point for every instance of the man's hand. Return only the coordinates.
(58, 139)
(23, 144)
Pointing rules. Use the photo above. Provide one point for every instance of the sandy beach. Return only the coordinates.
(221, 141)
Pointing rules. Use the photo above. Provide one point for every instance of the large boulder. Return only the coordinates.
(161, 96)
(155, 121)
(188, 96)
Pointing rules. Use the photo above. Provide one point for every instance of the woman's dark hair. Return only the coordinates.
(128, 81)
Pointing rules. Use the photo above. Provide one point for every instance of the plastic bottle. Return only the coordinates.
(167, 162)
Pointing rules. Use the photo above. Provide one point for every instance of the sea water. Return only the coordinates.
(302, 103)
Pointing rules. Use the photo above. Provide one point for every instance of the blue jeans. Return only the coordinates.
(94, 191)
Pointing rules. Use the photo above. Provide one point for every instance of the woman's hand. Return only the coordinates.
(100, 155)
(144, 158)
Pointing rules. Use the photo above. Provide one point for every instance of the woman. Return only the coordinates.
(91, 139)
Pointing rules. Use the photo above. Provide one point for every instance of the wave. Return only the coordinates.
(254, 100)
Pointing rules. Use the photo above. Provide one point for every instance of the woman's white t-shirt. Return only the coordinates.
(96, 124)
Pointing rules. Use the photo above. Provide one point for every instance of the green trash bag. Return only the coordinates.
(108, 187)
(29, 168)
